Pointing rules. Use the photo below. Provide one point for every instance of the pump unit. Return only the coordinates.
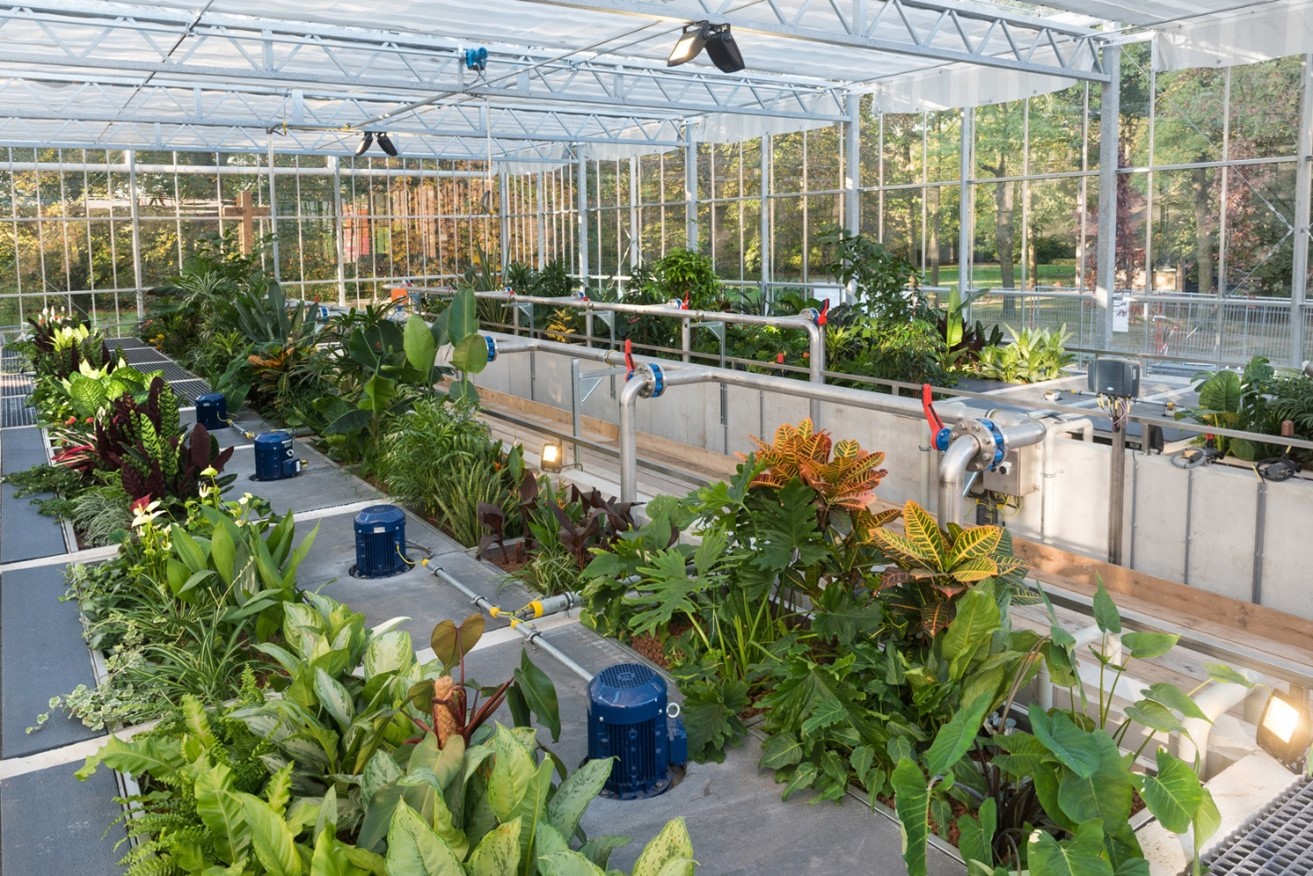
(275, 457)
(380, 542)
(212, 411)
(627, 720)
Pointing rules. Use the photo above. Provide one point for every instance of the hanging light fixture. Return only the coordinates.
(385, 143)
(365, 142)
(722, 50)
(690, 43)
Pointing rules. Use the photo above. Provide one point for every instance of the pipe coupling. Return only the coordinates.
(991, 446)
(653, 378)
(492, 347)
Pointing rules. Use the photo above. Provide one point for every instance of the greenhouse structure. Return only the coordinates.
(572, 436)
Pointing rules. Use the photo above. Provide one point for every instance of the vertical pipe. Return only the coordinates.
(1260, 535)
(685, 339)
(853, 162)
(628, 436)
(581, 208)
(574, 406)
(273, 218)
(966, 212)
(1116, 493)
(690, 188)
(542, 222)
(1303, 194)
(133, 197)
(1106, 242)
(635, 254)
(341, 231)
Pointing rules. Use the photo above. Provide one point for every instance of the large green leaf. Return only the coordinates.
(451, 642)
(1106, 616)
(328, 858)
(539, 694)
(149, 755)
(1221, 393)
(1147, 646)
(912, 803)
(787, 526)
(223, 553)
(1105, 794)
(974, 626)
(512, 771)
(568, 863)
(498, 853)
(220, 810)
(462, 316)
(271, 838)
(1173, 697)
(415, 850)
(1082, 856)
(335, 699)
(976, 833)
(470, 354)
(419, 345)
(1174, 794)
(672, 846)
(1075, 748)
(390, 652)
(573, 795)
(955, 737)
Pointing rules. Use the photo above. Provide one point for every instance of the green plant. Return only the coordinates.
(1235, 401)
(963, 342)
(881, 279)
(101, 514)
(1033, 355)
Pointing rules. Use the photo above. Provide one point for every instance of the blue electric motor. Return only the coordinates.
(212, 411)
(627, 720)
(380, 542)
(275, 457)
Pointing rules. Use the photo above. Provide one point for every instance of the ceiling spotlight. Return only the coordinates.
(385, 143)
(690, 43)
(365, 142)
(722, 50)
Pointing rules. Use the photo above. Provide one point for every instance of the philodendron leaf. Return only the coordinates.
(976, 833)
(955, 737)
(912, 803)
(1147, 646)
(1223, 674)
(668, 853)
(451, 643)
(1072, 745)
(1082, 856)
(1174, 794)
(1105, 612)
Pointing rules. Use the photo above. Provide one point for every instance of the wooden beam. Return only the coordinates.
(246, 211)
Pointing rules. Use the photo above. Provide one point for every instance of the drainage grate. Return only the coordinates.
(11, 385)
(16, 412)
(143, 359)
(1277, 842)
(10, 361)
(190, 390)
(128, 344)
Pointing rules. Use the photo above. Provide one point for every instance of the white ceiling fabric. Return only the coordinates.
(1260, 33)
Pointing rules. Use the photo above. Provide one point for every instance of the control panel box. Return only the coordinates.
(1017, 474)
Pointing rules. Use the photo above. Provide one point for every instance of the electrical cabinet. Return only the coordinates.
(1017, 474)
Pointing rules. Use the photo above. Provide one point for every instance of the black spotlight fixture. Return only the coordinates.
(365, 142)
(385, 143)
(722, 50)
(690, 43)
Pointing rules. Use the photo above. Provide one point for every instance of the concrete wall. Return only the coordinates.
(1198, 526)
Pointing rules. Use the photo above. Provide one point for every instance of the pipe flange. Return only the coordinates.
(654, 379)
(492, 347)
(989, 447)
(1000, 443)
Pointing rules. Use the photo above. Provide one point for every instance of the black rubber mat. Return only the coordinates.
(51, 823)
(42, 655)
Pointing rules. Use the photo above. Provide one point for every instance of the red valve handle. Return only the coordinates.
(927, 405)
(684, 306)
(629, 356)
(822, 318)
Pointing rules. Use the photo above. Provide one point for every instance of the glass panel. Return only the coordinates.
(1000, 142)
(1260, 230)
(902, 224)
(1057, 139)
(1133, 137)
(1265, 108)
(1189, 116)
(943, 145)
(904, 150)
(1053, 235)
(997, 257)
(786, 238)
(825, 148)
(1185, 226)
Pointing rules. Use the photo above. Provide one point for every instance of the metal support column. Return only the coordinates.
(635, 252)
(581, 208)
(1116, 493)
(691, 186)
(767, 250)
(1303, 193)
(1105, 275)
(503, 208)
(273, 215)
(341, 230)
(134, 195)
(966, 225)
(542, 222)
(852, 183)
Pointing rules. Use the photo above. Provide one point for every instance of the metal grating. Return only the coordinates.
(15, 385)
(10, 361)
(15, 411)
(190, 390)
(1276, 842)
(143, 359)
(128, 344)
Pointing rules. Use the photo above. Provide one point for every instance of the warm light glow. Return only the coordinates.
(551, 457)
(689, 45)
(1281, 719)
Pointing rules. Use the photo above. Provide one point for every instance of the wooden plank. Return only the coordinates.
(1253, 627)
